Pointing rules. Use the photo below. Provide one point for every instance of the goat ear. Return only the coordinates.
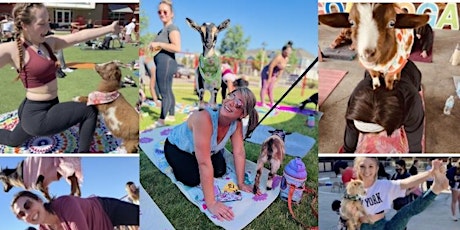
(288, 133)
(407, 21)
(223, 25)
(338, 20)
(192, 24)
(271, 131)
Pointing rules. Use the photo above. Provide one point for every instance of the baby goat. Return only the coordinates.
(272, 151)
(383, 36)
(209, 74)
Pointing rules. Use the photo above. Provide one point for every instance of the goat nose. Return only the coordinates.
(369, 53)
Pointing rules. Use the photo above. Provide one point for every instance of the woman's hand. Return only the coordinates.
(115, 27)
(221, 211)
(245, 188)
(154, 46)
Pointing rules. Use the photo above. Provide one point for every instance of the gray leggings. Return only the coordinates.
(166, 67)
(43, 118)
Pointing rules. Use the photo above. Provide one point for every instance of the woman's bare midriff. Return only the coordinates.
(43, 93)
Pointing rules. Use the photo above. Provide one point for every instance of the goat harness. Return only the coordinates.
(404, 41)
(210, 70)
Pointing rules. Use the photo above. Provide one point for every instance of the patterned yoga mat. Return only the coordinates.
(64, 142)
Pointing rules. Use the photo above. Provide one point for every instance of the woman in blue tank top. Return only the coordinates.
(193, 148)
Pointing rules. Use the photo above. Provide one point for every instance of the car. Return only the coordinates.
(184, 71)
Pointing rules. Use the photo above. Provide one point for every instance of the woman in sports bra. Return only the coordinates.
(41, 114)
(272, 71)
(381, 193)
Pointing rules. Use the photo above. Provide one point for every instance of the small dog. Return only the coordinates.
(120, 117)
(38, 172)
(351, 207)
(272, 151)
(312, 99)
(455, 58)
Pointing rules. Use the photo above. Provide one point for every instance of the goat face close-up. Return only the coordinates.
(381, 33)
(208, 32)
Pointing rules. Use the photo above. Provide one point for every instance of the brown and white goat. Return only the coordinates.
(39, 172)
(272, 151)
(209, 74)
(382, 34)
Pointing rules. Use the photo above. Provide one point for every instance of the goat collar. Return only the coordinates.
(97, 97)
(209, 68)
(352, 197)
(404, 41)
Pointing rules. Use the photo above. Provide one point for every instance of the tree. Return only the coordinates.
(234, 45)
(146, 37)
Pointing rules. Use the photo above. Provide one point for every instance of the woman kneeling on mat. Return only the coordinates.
(390, 115)
(71, 212)
(381, 193)
(193, 148)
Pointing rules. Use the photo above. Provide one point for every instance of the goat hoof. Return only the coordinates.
(269, 188)
(254, 190)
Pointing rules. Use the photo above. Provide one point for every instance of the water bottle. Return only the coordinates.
(449, 105)
(311, 121)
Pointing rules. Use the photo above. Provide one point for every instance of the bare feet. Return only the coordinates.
(440, 182)
(424, 54)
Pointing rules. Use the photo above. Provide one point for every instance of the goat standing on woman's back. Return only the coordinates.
(209, 74)
(383, 36)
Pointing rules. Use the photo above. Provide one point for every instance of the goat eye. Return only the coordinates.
(352, 23)
(391, 24)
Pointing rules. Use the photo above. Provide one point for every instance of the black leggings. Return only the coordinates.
(166, 67)
(185, 165)
(44, 118)
(120, 212)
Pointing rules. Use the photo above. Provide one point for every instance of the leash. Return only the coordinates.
(312, 206)
(284, 95)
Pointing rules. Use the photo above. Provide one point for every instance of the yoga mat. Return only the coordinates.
(64, 142)
(81, 65)
(151, 216)
(415, 56)
(295, 109)
(328, 80)
(246, 210)
(341, 53)
(296, 144)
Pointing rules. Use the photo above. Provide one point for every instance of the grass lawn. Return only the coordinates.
(79, 82)
(174, 205)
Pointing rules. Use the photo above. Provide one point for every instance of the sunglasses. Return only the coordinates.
(26, 206)
(164, 12)
(238, 103)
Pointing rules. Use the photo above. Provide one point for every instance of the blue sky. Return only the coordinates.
(272, 22)
(102, 176)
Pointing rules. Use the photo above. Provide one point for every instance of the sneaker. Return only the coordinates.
(454, 218)
(129, 79)
(170, 118)
(67, 70)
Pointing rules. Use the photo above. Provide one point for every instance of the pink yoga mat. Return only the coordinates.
(328, 80)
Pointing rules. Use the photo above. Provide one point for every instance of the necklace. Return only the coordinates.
(39, 51)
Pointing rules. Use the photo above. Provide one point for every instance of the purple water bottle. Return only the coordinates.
(311, 121)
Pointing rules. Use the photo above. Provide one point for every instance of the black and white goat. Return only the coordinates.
(209, 74)
(382, 34)
(272, 151)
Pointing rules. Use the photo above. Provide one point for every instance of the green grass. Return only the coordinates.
(185, 215)
(79, 82)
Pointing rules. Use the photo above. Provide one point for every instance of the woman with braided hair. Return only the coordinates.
(32, 55)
